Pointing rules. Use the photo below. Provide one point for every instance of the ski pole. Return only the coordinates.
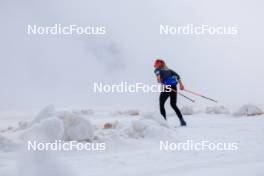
(200, 95)
(187, 97)
(183, 95)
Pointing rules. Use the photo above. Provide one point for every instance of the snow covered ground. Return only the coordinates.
(132, 143)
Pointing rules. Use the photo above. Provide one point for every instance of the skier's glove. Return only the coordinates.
(181, 86)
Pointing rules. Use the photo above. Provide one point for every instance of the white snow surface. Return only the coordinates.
(7, 145)
(133, 145)
(187, 110)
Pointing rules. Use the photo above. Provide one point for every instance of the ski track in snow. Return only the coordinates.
(141, 156)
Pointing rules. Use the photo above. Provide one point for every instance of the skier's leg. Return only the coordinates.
(173, 101)
(162, 99)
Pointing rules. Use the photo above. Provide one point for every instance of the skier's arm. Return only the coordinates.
(159, 79)
(179, 79)
(176, 74)
(181, 85)
(157, 73)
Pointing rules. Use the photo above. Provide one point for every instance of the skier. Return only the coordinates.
(167, 76)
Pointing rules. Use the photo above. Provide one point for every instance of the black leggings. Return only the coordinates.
(173, 100)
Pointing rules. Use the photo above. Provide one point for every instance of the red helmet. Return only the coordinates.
(158, 63)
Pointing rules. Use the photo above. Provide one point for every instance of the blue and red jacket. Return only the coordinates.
(168, 76)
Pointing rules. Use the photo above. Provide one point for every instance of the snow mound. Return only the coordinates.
(158, 119)
(47, 112)
(6, 145)
(47, 130)
(248, 110)
(76, 127)
(143, 128)
(51, 125)
(217, 110)
(147, 126)
(136, 129)
(187, 110)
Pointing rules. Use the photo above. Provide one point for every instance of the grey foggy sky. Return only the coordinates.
(60, 70)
